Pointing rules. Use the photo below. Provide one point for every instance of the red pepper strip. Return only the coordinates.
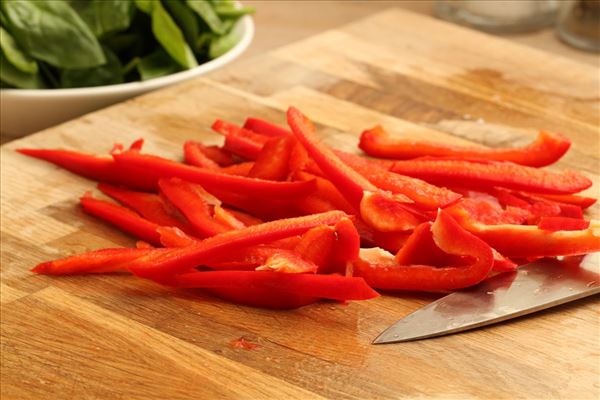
(390, 241)
(180, 260)
(265, 209)
(485, 174)
(140, 244)
(486, 213)
(245, 218)
(546, 149)
(93, 262)
(346, 247)
(583, 202)
(117, 148)
(157, 167)
(325, 195)
(98, 168)
(240, 169)
(386, 213)
(196, 157)
(422, 193)
(217, 154)
(225, 218)
(193, 202)
(288, 262)
(563, 224)
(137, 145)
(317, 246)
(148, 205)
(265, 128)
(171, 236)
(123, 218)
(273, 160)
(300, 161)
(240, 141)
(246, 258)
(558, 208)
(334, 287)
(349, 182)
(530, 241)
(451, 238)
(503, 264)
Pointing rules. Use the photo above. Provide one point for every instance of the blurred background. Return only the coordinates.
(279, 21)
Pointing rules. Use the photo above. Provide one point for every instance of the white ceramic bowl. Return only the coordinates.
(24, 111)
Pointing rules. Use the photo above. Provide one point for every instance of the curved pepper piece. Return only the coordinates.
(451, 238)
(265, 128)
(158, 167)
(386, 213)
(273, 161)
(486, 174)
(546, 149)
(317, 246)
(194, 155)
(182, 259)
(240, 141)
(288, 262)
(563, 224)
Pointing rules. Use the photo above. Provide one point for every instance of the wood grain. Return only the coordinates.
(115, 336)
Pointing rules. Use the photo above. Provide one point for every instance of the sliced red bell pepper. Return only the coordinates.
(349, 182)
(148, 205)
(552, 207)
(288, 262)
(195, 203)
(346, 246)
(485, 212)
(422, 193)
(94, 262)
(273, 160)
(530, 241)
(581, 201)
(140, 244)
(123, 218)
(98, 168)
(267, 209)
(325, 197)
(239, 169)
(193, 155)
(171, 236)
(386, 213)
(217, 154)
(240, 141)
(245, 218)
(546, 149)
(223, 217)
(135, 146)
(563, 224)
(182, 259)
(265, 128)
(317, 246)
(390, 241)
(334, 287)
(486, 174)
(451, 238)
(157, 167)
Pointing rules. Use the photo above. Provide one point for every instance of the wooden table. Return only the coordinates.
(115, 336)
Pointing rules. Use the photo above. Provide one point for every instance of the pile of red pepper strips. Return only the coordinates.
(274, 218)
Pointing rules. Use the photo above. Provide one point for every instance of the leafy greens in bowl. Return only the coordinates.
(84, 43)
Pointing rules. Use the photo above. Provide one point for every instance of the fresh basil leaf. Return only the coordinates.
(228, 12)
(170, 37)
(109, 73)
(121, 41)
(145, 5)
(12, 76)
(156, 65)
(222, 44)
(105, 16)
(185, 19)
(15, 55)
(205, 10)
(53, 32)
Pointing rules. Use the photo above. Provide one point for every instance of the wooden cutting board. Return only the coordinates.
(121, 337)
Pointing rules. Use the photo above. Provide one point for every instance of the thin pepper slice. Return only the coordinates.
(171, 236)
(581, 201)
(346, 246)
(195, 203)
(451, 238)
(94, 262)
(487, 174)
(563, 224)
(148, 205)
(546, 149)
(226, 218)
(387, 213)
(288, 262)
(193, 155)
(217, 154)
(422, 193)
(182, 259)
(334, 287)
(123, 218)
(99, 168)
(265, 127)
(273, 161)
(240, 141)
(158, 167)
(317, 247)
(325, 197)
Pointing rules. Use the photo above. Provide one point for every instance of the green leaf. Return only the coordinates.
(170, 37)
(12, 76)
(53, 32)
(145, 5)
(205, 10)
(156, 65)
(105, 16)
(109, 73)
(15, 55)
(222, 44)
(185, 19)
(232, 12)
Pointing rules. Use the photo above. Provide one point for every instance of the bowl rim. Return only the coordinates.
(246, 24)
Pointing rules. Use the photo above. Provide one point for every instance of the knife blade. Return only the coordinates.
(534, 287)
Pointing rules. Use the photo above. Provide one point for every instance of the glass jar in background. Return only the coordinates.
(499, 16)
(579, 24)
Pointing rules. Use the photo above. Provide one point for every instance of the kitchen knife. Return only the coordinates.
(534, 287)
